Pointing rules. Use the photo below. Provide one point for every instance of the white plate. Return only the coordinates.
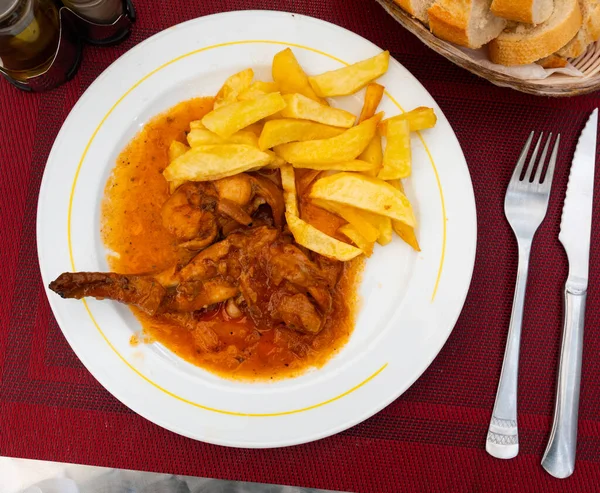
(410, 302)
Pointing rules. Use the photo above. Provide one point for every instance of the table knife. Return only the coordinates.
(575, 232)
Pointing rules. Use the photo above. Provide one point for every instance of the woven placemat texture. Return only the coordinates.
(430, 439)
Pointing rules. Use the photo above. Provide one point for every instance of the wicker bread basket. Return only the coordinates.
(556, 85)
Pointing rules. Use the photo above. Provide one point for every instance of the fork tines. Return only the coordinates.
(527, 174)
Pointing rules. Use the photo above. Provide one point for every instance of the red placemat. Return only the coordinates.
(430, 439)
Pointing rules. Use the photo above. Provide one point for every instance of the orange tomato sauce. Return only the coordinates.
(132, 229)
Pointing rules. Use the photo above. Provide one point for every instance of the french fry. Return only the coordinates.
(359, 240)
(299, 106)
(288, 73)
(213, 162)
(288, 183)
(407, 233)
(397, 156)
(310, 237)
(282, 131)
(354, 165)
(305, 179)
(344, 147)
(366, 193)
(366, 223)
(176, 149)
(196, 124)
(232, 87)
(385, 231)
(397, 184)
(403, 230)
(276, 161)
(419, 119)
(258, 88)
(373, 154)
(348, 80)
(373, 96)
(202, 137)
(256, 128)
(227, 120)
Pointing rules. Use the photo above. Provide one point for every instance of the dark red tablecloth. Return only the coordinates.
(430, 439)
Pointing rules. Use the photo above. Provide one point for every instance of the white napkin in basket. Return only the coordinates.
(533, 71)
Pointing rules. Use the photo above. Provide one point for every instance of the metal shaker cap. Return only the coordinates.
(7, 7)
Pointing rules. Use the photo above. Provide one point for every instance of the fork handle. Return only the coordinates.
(559, 458)
(503, 437)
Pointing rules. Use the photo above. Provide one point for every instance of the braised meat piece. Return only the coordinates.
(272, 281)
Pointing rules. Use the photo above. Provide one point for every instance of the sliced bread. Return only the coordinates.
(589, 32)
(528, 11)
(416, 8)
(553, 61)
(465, 22)
(520, 44)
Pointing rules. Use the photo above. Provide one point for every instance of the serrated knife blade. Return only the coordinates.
(575, 234)
(576, 223)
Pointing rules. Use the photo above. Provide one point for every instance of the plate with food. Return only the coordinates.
(256, 229)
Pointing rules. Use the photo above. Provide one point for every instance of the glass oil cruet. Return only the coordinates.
(29, 37)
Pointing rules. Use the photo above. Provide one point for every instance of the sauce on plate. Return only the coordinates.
(132, 230)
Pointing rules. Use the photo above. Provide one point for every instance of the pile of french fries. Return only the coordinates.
(289, 124)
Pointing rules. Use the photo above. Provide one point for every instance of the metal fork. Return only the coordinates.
(525, 207)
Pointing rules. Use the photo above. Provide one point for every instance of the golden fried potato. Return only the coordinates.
(354, 165)
(348, 80)
(359, 240)
(276, 161)
(232, 87)
(361, 220)
(397, 156)
(310, 237)
(290, 77)
(373, 96)
(227, 120)
(282, 131)
(397, 184)
(288, 183)
(246, 137)
(344, 147)
(176, 149)
(299, 106)
(256, 128)
(373, 154)
(197, 124)
(213, 162)
(385, 231)
(419, 119)
(403, 230)
(201, 137)
(366, 193)
(407, 234)
(258, 88)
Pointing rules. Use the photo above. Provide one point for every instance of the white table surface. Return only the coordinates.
(32, 476)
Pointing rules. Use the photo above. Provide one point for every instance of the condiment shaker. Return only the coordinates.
(98, 11)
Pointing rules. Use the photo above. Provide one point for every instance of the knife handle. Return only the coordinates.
(559, 458)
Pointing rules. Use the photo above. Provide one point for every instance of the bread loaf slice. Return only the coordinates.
(553, 61)
(520, 44)
(528, 11)
(416, 8)
(589, 32)
(465, 22)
